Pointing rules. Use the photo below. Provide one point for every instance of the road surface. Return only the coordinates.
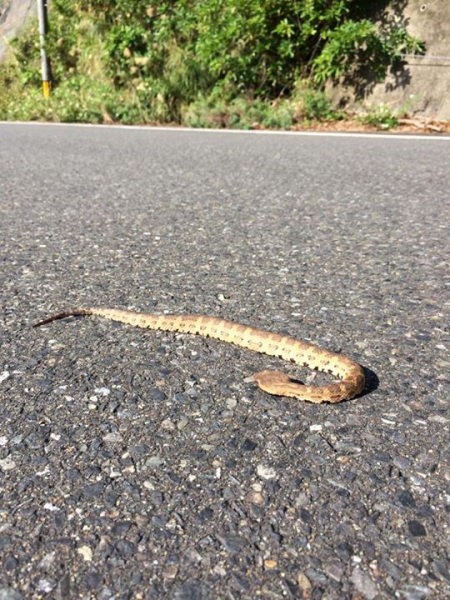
(141, 465)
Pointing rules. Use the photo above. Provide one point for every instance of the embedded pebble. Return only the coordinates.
(7, 464)
(363, 583)
(45, 586)
(7, 593)
(168, 425)
(113, 437)
(266, 472)
(416, 528)
(154, 461)
(415, 592)
(4, 376)
(85, 552)
(191, 590)
(231, 403)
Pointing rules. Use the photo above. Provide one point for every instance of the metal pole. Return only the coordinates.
(43, 28)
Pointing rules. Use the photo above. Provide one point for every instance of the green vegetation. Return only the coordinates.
(210, 63)
(380, 117)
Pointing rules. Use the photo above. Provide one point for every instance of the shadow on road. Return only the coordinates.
(372, 382)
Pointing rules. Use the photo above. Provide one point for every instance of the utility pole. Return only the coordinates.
(43, 28)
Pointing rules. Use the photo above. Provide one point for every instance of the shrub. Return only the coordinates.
(169, 60)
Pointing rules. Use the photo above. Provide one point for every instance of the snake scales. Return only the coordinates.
(274, 382)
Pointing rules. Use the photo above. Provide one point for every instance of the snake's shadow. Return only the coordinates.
(372, 382)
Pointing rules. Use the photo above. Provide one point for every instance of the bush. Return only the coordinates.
(380, 117)
(234, 63)
(356, 44)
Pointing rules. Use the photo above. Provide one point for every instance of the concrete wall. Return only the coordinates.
(13, 14)
(421, 85)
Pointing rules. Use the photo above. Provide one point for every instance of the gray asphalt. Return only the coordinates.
(142, 465)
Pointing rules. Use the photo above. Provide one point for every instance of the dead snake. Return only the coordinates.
(274, 382)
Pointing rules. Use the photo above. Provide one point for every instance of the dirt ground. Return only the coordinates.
(413, 126)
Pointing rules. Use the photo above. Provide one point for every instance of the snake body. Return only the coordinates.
(273, 344)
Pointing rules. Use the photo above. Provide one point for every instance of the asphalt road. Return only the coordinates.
(142, 465)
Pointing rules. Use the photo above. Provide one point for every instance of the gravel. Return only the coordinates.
(142, 465)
